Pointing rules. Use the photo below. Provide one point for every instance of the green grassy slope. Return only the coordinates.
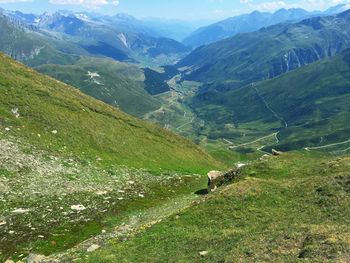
(313, 101)
(118, 84)
(268, 52)
(293, 208)
(86, 127)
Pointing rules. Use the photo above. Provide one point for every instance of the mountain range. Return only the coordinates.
(252, 22)
(242, 153)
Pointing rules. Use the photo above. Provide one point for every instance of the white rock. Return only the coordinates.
(78, 207)
(9, 261)
(101, 192)
(54, 132)
(203, 253)
(2, 223)
(92, 248)
(7, 129)
(131, 182)
(20, 211)
(240, 165)
(15, 112)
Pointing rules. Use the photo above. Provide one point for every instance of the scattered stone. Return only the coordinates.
(15, 112)
(2, 223)
(7, 129)
(33, 258)
(11, 232)
(92, 248)
(78, 207)
(203, 253)
(101, 192)
(240, 165)
(41, 236)
(141, 195)
(20, 211)
(9, 261)
(54, 132)
(131, 182)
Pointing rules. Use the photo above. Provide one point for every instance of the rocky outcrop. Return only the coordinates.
(217, 178)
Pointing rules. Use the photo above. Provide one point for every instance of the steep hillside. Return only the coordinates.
(242, 24)
(71, 166)
(87, 125)
(309, 106)
(269, 52)
(116, 83)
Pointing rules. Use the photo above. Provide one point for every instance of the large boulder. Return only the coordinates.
(217, 178)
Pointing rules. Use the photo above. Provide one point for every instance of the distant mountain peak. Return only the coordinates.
(337, 9)
(125, 16)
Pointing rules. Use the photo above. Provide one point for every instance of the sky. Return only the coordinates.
(171, 9)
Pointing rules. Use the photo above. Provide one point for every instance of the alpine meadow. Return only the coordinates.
(174, 131)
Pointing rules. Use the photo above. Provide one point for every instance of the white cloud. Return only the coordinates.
(92, 4)
(271, 6)
(306, 4)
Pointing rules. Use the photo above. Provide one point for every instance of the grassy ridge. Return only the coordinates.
(71, 123)
(287, 209)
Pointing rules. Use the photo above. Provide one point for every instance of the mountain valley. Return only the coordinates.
(127, 139)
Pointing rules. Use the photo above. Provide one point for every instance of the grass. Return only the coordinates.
(287, 209)
(61, 148)
(118, 84)
(70, 123)
(313, 102)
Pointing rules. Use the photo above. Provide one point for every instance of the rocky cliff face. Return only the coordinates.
(298, 57)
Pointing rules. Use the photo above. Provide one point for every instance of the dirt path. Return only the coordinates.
(257, 140)
(327, 146)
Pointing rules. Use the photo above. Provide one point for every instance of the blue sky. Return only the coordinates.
(172, 9)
